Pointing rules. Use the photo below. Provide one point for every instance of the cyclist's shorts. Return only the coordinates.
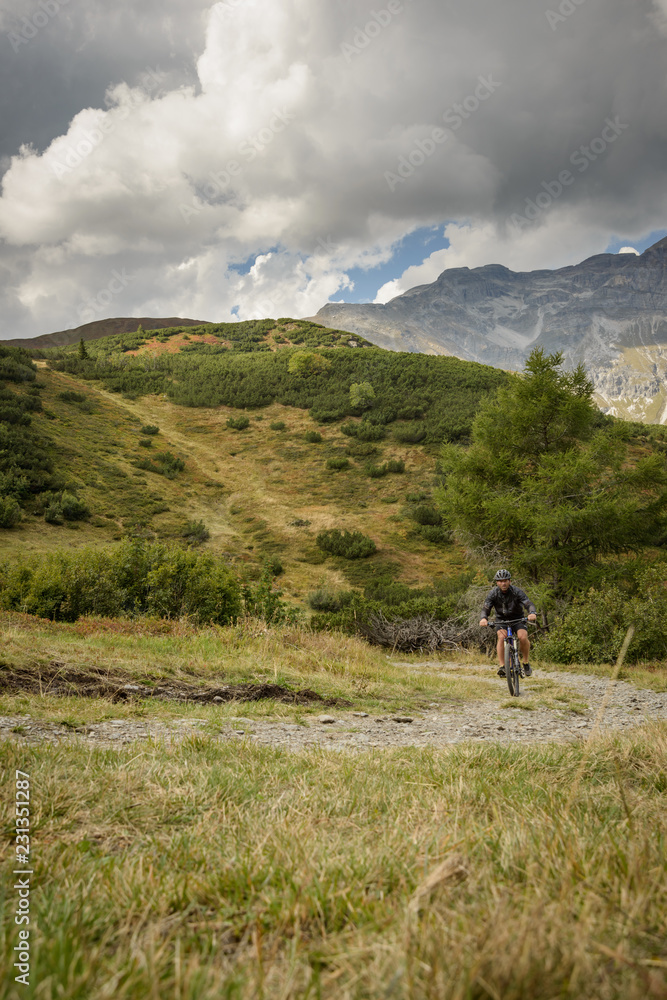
(498, 623)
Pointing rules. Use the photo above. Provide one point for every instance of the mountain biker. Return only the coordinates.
(509, 603)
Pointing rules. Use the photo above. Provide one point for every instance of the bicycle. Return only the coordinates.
(513, 668)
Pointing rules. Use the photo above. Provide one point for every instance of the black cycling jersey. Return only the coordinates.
(508, 606)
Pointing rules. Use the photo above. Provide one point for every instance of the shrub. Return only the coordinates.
(361, 449)
(594, 627)
(164, 464)
(337, 464)
(73, 509)
(396, 465)
(328, 600)
(275, 566)
(10, 512)
(425, 513)
(410, 433)
(277, 425)
(265, 602)
(435, 533)
(348, 544)
(68, 396)
(370, 432)
(134, 578)
(375, 471)
(54, 512)
(238, 423)
(145, 442)
(150, 430)
(313, 437)
(195, 533)
(65, 507)
(362, 395)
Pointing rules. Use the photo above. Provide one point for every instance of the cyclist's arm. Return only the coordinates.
(486, 608)
(527, 603)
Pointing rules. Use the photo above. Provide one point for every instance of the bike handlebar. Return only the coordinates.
(515, 621)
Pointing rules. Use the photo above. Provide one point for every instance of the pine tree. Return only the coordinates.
(548, 484)
(83, 353)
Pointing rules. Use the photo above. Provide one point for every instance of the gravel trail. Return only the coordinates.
(523, 720)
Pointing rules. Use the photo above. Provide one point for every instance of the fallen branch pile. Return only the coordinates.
(425, 633)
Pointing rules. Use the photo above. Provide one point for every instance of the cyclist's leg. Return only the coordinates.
(500, 648)
(524, 644)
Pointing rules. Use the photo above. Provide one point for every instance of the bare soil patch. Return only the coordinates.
(65, 681)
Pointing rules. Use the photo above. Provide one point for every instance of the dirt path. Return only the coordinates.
(522, 720)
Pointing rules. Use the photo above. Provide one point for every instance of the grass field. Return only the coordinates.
(202, 869)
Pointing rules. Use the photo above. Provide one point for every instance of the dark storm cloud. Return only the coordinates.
(49, 71)
(312, 137)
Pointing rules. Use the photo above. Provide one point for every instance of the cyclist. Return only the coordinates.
(509, 603)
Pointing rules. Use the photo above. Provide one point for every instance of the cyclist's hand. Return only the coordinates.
(532, 618)
(484, 622)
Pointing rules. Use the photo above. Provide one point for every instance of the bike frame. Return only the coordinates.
(512, 665)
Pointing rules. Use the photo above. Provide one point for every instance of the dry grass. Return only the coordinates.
(334, 665)
(203, 871)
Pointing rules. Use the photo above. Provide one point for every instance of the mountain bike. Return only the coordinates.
(513, 668)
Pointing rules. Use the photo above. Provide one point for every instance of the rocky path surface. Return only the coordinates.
(525, 720)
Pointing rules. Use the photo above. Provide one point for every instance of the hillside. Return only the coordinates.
(263, 491)
(95, 331)
(609, 313)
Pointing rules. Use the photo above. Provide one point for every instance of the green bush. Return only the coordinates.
(313, 437)
(150, 430)
(277, 425)
(325, 600)
(164, 464)
(10, 512)
(145, 442)
(348, 544)
(238, 423)
(364, 431)
(426, 513)
(435, 534)
(69, 396)
(595, 625)
(73, 509)
(275, 566)
(360, 449)
(264, 600)
(135, 578)
(410, 433)
(195, 533)
(396, 465)
(337, 464)
(375, 471)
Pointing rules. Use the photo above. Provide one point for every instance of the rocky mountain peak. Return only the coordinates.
(609, 312)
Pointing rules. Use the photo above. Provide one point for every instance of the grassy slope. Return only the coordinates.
(207, 870)
(246, 486)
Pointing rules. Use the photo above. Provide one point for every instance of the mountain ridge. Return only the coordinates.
(597, 313)
(97, 330)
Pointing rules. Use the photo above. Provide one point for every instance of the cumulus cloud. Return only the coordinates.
(629, 250)
(308, 139)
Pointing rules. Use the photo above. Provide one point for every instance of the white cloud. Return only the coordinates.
(629, 250)
(280, 155)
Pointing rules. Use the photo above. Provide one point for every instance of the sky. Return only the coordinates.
(258, 158)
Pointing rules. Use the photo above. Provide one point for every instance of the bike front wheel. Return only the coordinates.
(512, 670)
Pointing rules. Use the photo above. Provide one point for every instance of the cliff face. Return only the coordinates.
(609, 313)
